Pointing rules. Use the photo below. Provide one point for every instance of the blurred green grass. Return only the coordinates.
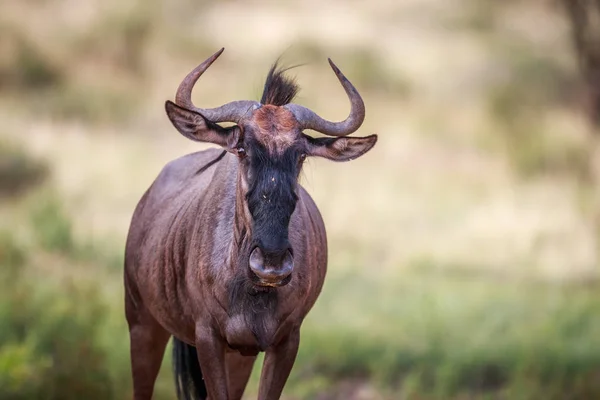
(428, 333)
(449, 336)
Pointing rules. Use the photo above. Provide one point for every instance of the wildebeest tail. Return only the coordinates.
(187, 372)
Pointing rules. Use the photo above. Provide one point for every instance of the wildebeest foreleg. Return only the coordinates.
(239, 368)
(277, 367)
(147, 345)
(211, 356)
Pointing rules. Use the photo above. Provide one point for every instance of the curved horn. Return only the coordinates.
(230, 112)
(310, 120)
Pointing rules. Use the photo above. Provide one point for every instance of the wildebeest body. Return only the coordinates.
(227, 252)
(186, 229)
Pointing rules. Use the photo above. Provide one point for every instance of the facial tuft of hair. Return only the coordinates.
(279, 89)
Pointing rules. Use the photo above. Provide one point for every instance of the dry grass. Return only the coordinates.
(429, 184)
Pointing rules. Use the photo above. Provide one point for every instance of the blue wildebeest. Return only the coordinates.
(226, 251)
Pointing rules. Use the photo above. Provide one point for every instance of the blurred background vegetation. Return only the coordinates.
(465, 267)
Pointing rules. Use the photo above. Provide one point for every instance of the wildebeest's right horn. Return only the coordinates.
(308, 119)
(230, 112)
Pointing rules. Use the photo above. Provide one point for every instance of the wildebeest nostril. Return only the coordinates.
(271, 269)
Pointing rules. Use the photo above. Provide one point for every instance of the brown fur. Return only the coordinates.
(277, 129)
(188, 266)
(188, 238)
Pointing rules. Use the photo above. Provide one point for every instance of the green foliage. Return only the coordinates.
(52, 227)
(451, 338)
(21, 371)
(11, 254)
(53, 231)
(50, 343)
(420, 334)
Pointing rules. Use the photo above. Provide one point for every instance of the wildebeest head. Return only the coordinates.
(271, 147)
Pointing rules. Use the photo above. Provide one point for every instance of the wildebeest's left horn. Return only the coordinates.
(230, 112)
(310, 120)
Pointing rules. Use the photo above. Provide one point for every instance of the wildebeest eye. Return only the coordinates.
(241, 152)
(302, 157)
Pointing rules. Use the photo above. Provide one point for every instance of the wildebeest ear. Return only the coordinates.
(343, 148)
(194, 126)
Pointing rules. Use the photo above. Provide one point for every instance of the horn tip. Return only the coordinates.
(218, 53)
(334, 67)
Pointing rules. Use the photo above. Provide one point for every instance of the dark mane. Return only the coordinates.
(254, 306)
(279, 89)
